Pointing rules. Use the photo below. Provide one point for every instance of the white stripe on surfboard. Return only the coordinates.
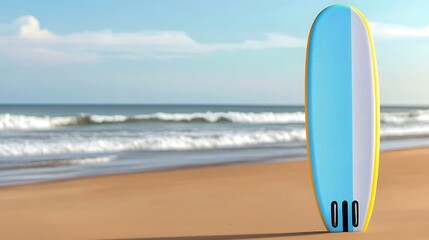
(363, 104)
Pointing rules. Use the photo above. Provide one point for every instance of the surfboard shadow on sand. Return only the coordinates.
(229, 237)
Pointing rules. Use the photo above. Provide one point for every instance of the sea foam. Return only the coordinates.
(23, 122)
(129, 141)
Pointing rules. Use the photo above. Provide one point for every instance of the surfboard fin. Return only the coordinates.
(334, 214)
(355, 213)
(345, 217)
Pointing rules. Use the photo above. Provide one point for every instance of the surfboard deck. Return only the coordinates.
(342, 117)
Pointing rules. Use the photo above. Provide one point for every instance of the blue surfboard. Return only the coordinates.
(342, 117)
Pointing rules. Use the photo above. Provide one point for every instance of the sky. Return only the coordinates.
(192, 51)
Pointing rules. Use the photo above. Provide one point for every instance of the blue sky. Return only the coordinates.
(198, 52)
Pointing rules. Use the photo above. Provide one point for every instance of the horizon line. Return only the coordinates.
(188, 104)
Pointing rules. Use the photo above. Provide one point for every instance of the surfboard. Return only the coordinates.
(342, 117)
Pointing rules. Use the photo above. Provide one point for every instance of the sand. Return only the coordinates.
(260, 201)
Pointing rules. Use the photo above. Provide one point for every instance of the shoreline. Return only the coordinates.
(197, 166)
(241, 201)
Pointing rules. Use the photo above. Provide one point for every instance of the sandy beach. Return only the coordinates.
(259, 201)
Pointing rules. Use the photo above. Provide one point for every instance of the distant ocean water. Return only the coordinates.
(50, 142)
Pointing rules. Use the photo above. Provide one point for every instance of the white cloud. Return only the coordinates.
(386, 30)
(26, 36)
(29, 28)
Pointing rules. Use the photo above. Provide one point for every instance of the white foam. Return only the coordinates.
(173, 141)
(117, 141)
(238, 117)
(405, 131)
(61, 162)
(108, 119)
(23, 122)
(421, 116)
(94, 160)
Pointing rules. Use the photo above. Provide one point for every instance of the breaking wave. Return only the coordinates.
(127, 141)
(23, 122)
(107, 142)
(419, 116)
(405, 131)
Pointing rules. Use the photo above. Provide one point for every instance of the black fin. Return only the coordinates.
(345, 217)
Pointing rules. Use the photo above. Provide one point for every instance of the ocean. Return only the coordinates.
(40, 143)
